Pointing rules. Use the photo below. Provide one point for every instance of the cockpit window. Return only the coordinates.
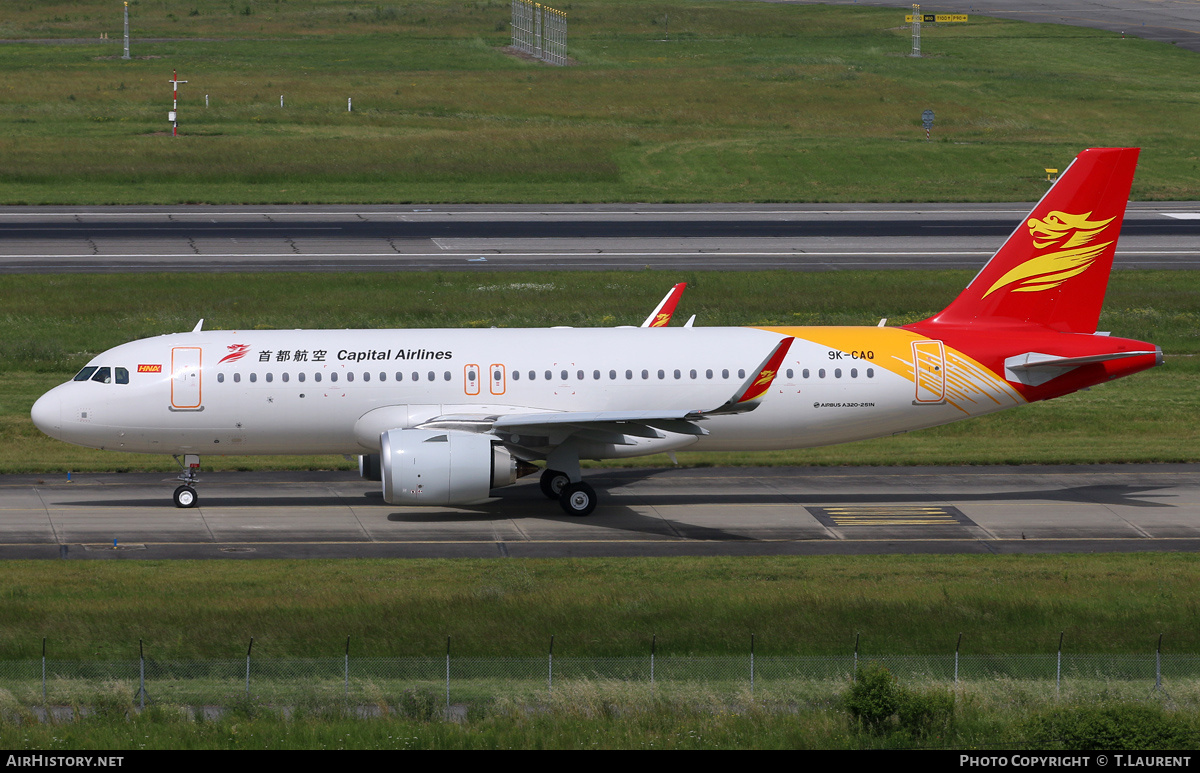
(86, 373)
(122, 375)
(103, 375)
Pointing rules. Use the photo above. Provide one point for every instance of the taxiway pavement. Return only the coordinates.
(643, 512)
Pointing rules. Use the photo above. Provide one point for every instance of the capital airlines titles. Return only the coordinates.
(343, 355)
(394, 354)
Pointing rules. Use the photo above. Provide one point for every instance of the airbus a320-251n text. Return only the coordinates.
(442, 417)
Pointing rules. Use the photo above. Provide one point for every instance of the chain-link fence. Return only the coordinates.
(432, 685)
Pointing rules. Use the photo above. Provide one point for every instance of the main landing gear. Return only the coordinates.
(185, 495)
(576, 498)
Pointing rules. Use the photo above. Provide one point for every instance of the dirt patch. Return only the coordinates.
(517, 53)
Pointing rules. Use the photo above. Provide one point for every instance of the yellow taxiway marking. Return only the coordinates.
(890, 515)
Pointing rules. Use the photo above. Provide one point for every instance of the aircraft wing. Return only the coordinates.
(617, 427)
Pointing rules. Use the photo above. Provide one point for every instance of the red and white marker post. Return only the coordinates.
(175, 102)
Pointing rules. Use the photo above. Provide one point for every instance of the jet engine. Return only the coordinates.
(444, 467)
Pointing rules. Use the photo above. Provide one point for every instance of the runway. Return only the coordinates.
(1175, 22)
(643, 512)
(1161, 235)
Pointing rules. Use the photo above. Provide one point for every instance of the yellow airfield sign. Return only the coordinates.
(937, 18)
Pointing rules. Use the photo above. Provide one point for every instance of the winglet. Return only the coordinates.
(752, 389)
(665, 308)
(199, 326)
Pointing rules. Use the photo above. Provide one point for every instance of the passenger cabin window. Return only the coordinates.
(220, 378)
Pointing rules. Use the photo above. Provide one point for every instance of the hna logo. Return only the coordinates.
(236, 352)
(1070, 236)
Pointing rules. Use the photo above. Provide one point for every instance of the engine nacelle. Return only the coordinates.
(443, 467)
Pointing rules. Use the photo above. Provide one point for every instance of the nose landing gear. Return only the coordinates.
(185, 495)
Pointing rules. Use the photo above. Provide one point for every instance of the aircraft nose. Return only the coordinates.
(47, 413)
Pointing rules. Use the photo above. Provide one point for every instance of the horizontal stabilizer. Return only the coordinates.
(1035, 368)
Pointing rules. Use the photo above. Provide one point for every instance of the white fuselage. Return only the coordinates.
(334, 391)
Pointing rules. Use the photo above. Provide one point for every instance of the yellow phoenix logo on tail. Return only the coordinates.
(1074, 234)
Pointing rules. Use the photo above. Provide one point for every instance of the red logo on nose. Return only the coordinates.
(236, 352)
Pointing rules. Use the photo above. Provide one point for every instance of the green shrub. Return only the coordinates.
(874, 698)
(879, 704)
(1115, 727)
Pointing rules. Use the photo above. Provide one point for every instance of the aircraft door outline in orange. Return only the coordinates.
(929, 372)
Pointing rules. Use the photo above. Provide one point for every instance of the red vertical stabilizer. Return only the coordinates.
(1053, 270)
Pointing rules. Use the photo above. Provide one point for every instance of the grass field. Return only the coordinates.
(54, 324)
(743, 102)
(195, 610)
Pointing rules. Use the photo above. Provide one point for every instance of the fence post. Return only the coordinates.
(447, 678)
(1058, 669)
(347, 670)
(956, 648)
(248, 648)
(653, 643)
(855, 678)
(43, 670)
(141, 675)
(751, 666)
(550, 668)
(1158, 665)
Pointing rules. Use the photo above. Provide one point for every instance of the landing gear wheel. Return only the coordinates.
(553, 482)
(185, 496)
(578, 499)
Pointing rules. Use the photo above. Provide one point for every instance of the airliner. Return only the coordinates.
(444, 417)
